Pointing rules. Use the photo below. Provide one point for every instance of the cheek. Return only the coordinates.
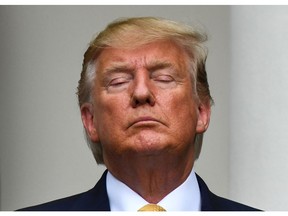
(110, 112)
(182, 110)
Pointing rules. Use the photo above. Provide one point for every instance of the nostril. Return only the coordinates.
(139, 101)
(151, 101)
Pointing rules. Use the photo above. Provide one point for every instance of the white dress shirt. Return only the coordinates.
(186, 197)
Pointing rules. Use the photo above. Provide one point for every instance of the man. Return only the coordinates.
(145, 104)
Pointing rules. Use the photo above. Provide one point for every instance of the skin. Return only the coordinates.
(146, 116)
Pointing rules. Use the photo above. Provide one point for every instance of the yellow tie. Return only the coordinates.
(151, 207)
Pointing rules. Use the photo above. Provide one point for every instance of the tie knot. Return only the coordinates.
(151, 207)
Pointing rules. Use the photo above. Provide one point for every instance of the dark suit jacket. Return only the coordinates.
(96, 199)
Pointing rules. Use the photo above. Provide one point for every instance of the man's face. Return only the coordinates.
(144, 102)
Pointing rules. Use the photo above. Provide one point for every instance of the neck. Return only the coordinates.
(152, 177)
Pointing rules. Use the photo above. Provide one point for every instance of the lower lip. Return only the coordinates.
(145, 123)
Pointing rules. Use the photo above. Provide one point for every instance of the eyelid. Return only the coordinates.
(165, 74)
(117, 79)
(164, 77)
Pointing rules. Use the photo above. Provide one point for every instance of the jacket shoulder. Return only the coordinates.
(95, 199)
(64, 204)
(212, 202)
(223, 204)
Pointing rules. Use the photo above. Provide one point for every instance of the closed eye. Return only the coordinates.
(118, 82)
(164, 78)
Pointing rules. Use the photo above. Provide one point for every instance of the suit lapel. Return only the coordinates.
(206, 203)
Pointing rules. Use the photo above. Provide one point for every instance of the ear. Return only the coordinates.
(204, 112)
(88, 120)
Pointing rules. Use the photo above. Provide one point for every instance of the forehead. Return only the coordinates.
(160, 52)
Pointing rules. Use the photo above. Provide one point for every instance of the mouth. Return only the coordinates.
(144, 121)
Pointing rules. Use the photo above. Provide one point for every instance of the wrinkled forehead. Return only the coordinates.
(155, 54)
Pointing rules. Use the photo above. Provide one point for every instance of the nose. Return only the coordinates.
(142, 92)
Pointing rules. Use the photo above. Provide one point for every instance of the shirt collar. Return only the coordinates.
(186, 197)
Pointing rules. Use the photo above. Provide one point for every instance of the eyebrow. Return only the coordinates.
(118, 67)
(157, 65)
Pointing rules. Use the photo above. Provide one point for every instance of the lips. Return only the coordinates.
(144, 120)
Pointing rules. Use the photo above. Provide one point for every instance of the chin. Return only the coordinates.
(150, 148)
